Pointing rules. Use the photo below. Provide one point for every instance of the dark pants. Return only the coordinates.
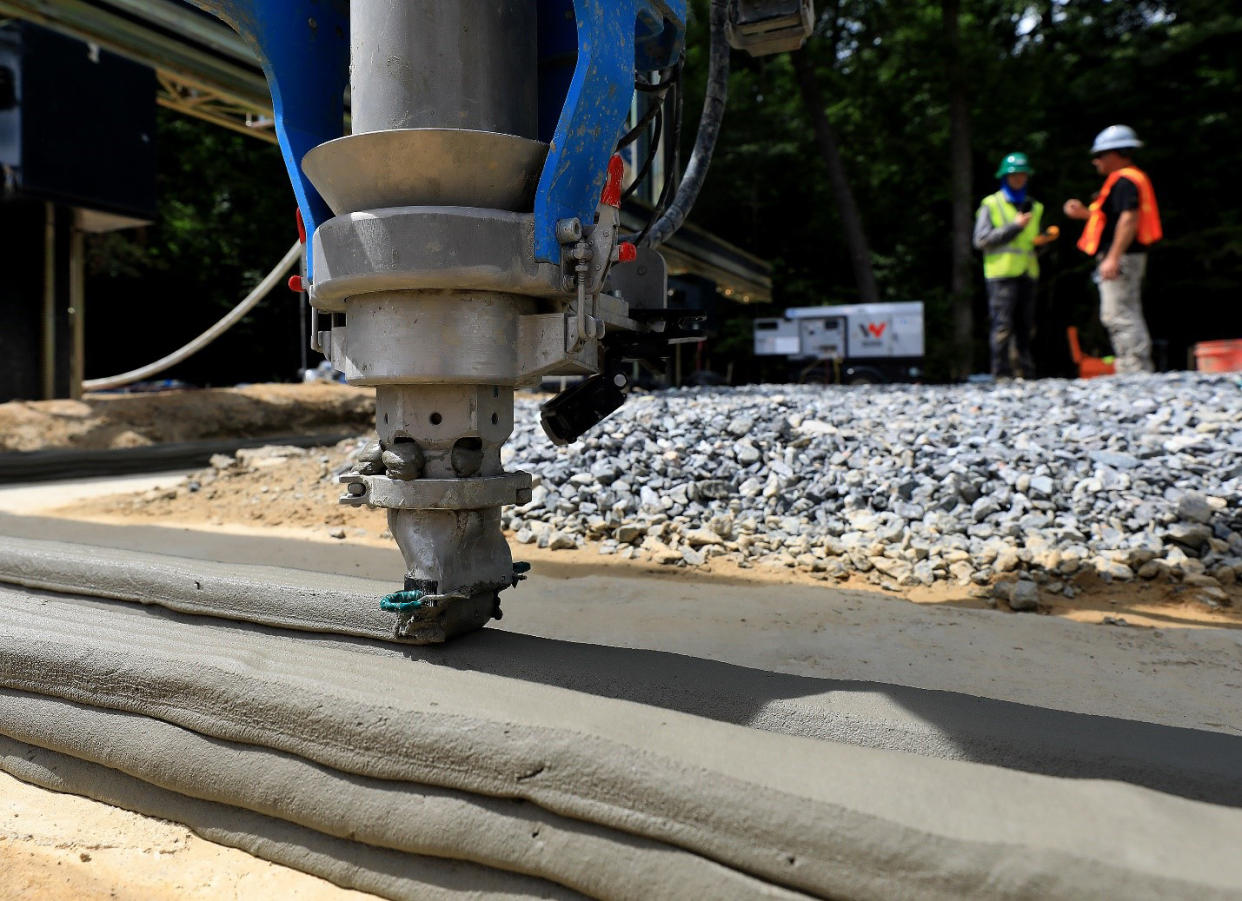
(1011, 303)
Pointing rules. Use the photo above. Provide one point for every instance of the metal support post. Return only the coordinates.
(47, 357)
(467, 64)
(77, 309)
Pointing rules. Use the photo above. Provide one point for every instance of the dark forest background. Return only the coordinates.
(896, 110)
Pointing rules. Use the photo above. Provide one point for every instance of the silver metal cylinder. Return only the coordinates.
(430, 64)
(433, 337)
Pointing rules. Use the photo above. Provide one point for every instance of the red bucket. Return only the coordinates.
(1219, 356)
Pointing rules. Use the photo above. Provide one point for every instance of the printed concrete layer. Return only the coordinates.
(829, 640)
(1190, 763)
(257, 594)
(504, 834)
(390, 874)
(818, 816)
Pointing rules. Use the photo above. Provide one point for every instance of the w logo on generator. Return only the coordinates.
(874, 329)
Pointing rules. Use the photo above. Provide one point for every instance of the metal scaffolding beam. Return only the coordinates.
(230, 81)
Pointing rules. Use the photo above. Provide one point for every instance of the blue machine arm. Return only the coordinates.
(615, 38)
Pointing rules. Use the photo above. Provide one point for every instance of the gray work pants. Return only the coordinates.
(1121, 311)
(1011, 307)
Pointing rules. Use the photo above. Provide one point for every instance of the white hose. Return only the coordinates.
(261, 290)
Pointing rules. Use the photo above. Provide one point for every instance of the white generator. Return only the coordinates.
(857, 343)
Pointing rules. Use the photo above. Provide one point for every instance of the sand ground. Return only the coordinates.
(56, 847)
(102, 421)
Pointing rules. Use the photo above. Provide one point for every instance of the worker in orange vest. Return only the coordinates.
(1122, 222)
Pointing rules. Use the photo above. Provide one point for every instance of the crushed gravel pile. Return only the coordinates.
(1131, 477)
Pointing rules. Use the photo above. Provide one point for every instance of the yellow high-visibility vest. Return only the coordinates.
(1018, 256)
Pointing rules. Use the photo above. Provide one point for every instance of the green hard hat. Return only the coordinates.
(1013, 162)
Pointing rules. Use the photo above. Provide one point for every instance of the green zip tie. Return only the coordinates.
(402, 601)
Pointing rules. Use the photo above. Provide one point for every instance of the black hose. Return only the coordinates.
(633, 134)
(669, 177)
(705, 142)
(668, 78)
(653, 147)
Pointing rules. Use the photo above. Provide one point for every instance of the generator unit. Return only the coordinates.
(857, 343)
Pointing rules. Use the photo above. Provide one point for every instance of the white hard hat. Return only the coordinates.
(1116, 137)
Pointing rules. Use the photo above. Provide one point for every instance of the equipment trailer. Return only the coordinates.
(857, 343)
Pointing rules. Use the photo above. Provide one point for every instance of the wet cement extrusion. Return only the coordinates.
(182, 689)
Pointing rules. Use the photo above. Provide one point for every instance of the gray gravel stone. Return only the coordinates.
(1192, 535)
(693, 557)
(1113, 476)
(630, 533)
(1023, 595)
(1195, 507)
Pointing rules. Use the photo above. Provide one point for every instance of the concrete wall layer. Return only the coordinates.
(500, 784)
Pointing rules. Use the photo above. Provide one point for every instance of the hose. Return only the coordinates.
(705, 141)
(261, 290)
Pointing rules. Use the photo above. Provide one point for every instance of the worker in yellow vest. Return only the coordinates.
(1122, 222)
(1007, 231)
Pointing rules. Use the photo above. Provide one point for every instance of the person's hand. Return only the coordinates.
(1048, 236)
(1109, 269)
(1022, 220)
(1074, 209)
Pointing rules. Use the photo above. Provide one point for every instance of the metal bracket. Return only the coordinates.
(643, 283)
(436, 494)
(543, 342)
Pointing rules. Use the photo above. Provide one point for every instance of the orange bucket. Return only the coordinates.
(1088, 367)
(1219, 356)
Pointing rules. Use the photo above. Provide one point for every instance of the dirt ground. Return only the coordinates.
(295, 491)
(102, 421)
(56, 847)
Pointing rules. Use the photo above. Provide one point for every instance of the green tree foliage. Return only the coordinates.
(1043, 77)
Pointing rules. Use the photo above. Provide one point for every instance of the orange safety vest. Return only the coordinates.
(1149, 230)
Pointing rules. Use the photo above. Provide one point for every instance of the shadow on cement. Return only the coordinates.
(1191, 763)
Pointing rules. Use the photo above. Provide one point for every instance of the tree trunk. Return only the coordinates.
(851, 220)
(961, 283)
